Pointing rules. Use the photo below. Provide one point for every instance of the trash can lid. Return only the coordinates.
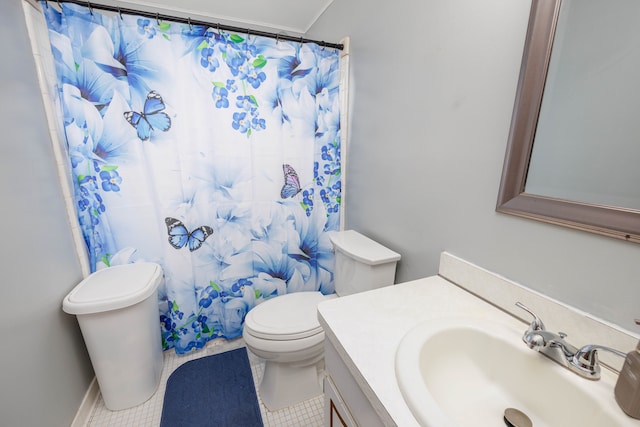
(113, 288)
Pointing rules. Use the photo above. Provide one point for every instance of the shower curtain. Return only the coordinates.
(214, 154)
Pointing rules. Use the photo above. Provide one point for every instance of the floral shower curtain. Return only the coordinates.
(214, 154)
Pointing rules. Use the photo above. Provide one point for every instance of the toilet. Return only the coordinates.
(285, 332)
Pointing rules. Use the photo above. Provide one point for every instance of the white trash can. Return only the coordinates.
(117, 309)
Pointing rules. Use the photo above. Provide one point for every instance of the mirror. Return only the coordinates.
(568, 122)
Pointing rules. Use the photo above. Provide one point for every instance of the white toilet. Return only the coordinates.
(285, 331)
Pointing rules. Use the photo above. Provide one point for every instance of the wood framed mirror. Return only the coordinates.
(604, 219)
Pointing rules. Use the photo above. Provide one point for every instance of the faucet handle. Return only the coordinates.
(586, 359)
(536, 324)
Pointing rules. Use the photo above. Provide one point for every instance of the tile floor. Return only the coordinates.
(305, 414)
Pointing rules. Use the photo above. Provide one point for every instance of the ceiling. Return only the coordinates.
(293, 17)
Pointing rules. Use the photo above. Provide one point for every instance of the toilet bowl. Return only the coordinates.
(285, 332)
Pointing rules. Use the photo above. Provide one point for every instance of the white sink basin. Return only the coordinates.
(466, 372)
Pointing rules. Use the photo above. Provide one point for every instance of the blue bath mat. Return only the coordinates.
(214, 391)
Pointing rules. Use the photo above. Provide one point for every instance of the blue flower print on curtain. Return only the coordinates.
(214, 154)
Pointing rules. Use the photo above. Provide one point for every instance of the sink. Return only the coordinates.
(466, 372)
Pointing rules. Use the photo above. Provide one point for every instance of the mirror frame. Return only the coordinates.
(622, 223)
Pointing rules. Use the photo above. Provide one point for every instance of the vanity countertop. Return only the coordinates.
(366, 329)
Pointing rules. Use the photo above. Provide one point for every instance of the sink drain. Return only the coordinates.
(516, 418)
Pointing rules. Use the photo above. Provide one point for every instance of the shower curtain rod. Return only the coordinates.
(159, 17)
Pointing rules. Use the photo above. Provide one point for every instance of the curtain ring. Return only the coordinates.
(59, 5)
(277, 38)
(189, 22)
(46, 4)
(120, 13)
(157, 18)
(90, 8)
(218, 28)
(301, 40)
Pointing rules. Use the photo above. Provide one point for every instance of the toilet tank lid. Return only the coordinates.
(362, 248)
(113, 288)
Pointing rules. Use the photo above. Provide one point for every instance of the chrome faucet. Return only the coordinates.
(583, 361)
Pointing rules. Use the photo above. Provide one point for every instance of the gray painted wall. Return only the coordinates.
(433, 87)
(44, 366)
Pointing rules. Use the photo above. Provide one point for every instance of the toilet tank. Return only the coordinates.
(361, 263)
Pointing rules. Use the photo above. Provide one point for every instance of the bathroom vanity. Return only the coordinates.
(364, 331)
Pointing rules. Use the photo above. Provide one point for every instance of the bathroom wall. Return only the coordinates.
(433, 86)
(44, 367)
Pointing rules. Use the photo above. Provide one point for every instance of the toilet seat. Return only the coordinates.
(287, 317)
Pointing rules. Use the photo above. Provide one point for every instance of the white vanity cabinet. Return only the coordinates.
(345, 403)
(363, 332)
(336, 413)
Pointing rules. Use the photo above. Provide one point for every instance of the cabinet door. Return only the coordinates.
(336, 413)
(335, 418)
